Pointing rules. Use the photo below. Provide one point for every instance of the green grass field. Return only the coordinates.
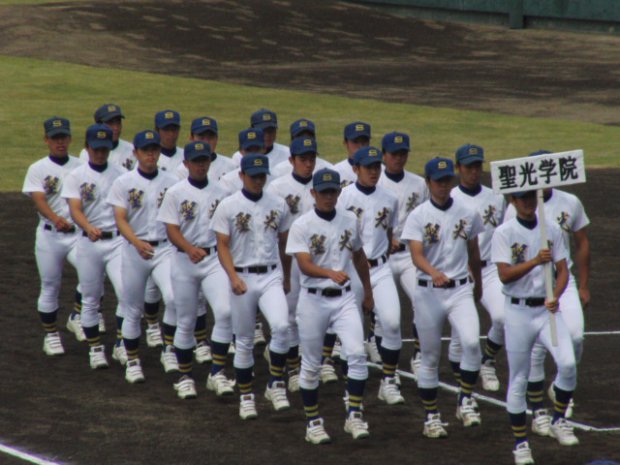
(36, 89)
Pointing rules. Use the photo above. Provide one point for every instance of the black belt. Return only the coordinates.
(208, 250)
(400, 248)
(255, 269)
(373, 262)
(528, 301)
(105, 234)
(483, 263)
(155, 243)
(328, 292)
(449, 285)
(49, 227)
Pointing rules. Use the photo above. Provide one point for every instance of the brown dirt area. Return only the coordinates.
(61, 409)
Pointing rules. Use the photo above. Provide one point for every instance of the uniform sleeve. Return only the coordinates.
(33, 181)
(394, 219)
(295, 242)
(477, 225)
(116, 196)
(84, 156)
(219, 222)
(412, 230)
(70, 187)
(168, 212)
(500, 250)
(287, 219)
(558, 250)
(356, 238)
(581, 218)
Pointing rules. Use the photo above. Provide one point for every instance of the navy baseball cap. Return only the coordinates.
(204, 124)
(255, 163)
(251, 138)
(263, 119)
(522, 194)
(146, 138)
(357, 129)
(367, 156)
(468, 154)
(56, 125)
(326, 179)
(395, 141)
(99, 136)
(303, 145)
(302, 125)
(438, 168)
(539, 152)
(166, 118)
(197, 149)
(108, 112)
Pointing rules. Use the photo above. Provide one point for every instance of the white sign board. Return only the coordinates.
(538, 172)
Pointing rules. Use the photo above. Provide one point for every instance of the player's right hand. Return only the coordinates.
(553, 305)
(544, 256)
(62, 224)
(339, 277)
(439, 279)
(145, 250)
(238, 285)
(94, 234)
(196, 254)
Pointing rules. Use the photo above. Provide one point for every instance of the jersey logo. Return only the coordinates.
(518, 252)
(242, 222)
(317, 244)
(381, 219)
(213, 207)
(160, 198)
(293, 203)
(87, 192)
(271, 220)
(135, 198)
(489, 216)
(128, 164)
(357, 211)
(459, 230)
(412, 202)
(563, 221)
(188, 210)
(431, 233)
(345, 240)
(50, 185)
(344, 183)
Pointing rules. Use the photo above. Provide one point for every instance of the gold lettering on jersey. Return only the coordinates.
(135, 198)
(87, 192)
(357, 211)
(188, 210)
(242, 222)
(213, 207)
(271, 220)
(518, 252)
(345, 240)
(431, 233)
(381, 218)
(293, 203)
(50, 185)
(563, 221)
(489, 216)
(317, 244)
(412, 202)
(459, 230)
(128, 164)
(344, 183)
(160, 197)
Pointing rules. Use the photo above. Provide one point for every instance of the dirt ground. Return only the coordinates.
(62, 410)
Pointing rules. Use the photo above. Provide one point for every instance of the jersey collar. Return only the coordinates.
(253, 197)
(59, 160)
(443, 207)
(327, 216)
(471, 192)
(527, 224)
(396, 177)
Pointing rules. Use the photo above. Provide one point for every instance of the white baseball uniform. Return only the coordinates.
(278, 154)
(345, 170)
(121, 155)
(285, 167)
(170, 163)
(218, 168)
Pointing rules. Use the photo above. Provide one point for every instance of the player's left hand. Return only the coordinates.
(584, 296)
(196, 254)
(94, 234)
(553, 305)
(394, 246)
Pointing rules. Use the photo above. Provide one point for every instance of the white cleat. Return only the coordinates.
(489, 376)
(52, 345)
(389, 392)
(328, 372)
(96, 357)
(102, 327)
(153, 336)
(372, 350)
(563, 432)
(169, 359)
(247, 407)
(120, 354)
(434, 428)
(416, 362)
(202, 353)
(356, 426)
(468, 413)
(541, 422)
(186, 388)
(293, 380)
(259, 335)
(74, 325)
(133, 371)
(220, 384)
(523, 454)
(315, 432)
(277, 395)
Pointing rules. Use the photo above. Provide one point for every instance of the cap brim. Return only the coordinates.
(305, 152)
(98, 144)
(166, 125)
(154, 144)
(203, 129)
(522, 194)
(199, 156)
(253, 171)
(471, 160)
(441, 175)
(111, 117)
(326, 186)
(58, 131)
(369, 161)
(253, 144)
(266, 125)
(397, 148)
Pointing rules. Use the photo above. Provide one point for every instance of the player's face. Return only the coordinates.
(326, 200)
(169, 136)
(470, 174)
(269, 136)
(116, 124)
(440, 189)
(58, 145)
(526, 206)
(395, 161)
(98, 156)
(303, 165)
(253, 184)
(198, 168)
(208, 137)
(369, 175)
(148, 157)
(354, 145)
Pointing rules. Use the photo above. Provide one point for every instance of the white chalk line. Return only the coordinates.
(26, 456)
(587, 333)
(499, 403)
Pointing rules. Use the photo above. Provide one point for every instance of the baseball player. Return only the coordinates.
(98, 250)
(324, 241)
(267, 121)
(568, 212)
(518, 253)
(377, 212)
(356, 136)
(56, 233)
(469, 159)
(136, 197)
(250, 141)
(186, 211)
(251, 227)
(442, 235)
(411, 191)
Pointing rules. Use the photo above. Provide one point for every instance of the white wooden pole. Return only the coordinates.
(548, 267)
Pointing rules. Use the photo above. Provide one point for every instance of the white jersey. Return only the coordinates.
(170, 164)
(515, 243)
(191, 208)
(444, 234)
(491, 208)
(564, 209)
(122, 155)
(296, 194)
(142, 197)
(279, 153)
(345, 170)
(330, 243)
(376, 212)
(218, 168)
(253, 227)
(231, 182)
(92, 187)
(410, 191)
(47, 176)
(285, 167)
